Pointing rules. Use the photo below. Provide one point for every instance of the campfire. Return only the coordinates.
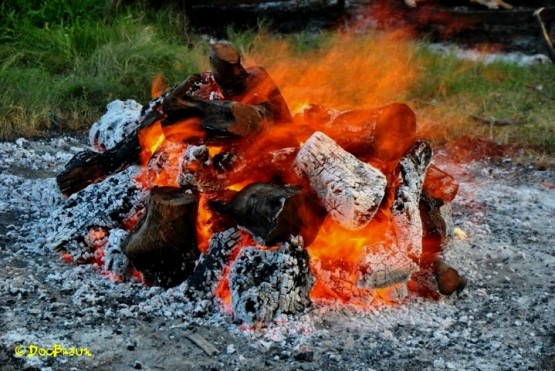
(215, 186)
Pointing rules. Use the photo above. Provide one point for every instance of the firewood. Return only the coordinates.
(220, 117)
(163, 244)
(208, 272)
(350, 190)
(405, 213)
(266, 283)
(382, 266)
(272, 213)
(90, 167)
(384, 133)
(437, 228)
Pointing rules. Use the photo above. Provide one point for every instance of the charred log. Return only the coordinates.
(90, 167)
(405, 212)
(436, 226)
(208, 272)
(266, 283)
(163, 244)
(350, 190)
(217, 117)
(272, 213)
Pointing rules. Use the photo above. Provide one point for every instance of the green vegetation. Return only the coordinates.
(61, 62)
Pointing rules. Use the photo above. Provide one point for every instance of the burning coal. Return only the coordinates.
(257, 209)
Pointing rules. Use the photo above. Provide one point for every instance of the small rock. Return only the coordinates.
(138, 365)
(230, 349)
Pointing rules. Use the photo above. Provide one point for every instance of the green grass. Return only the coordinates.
(61, 63)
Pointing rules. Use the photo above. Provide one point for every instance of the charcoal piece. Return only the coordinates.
(439, 184)
(406, 219)
(436, 278)
(350, 190)
(272, 213)
(163, 244)
(208, 272)
(437, 226)
(266, 283)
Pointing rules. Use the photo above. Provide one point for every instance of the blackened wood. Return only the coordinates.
(90, 167)
(545, 34)
(220, 117)
(272, 213)
(163, 244)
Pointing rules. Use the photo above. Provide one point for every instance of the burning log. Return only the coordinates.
(384, 133)
(350, 189)
(88, 167)
(217, 117)
(163, 244)
(405, 212)
(439, 184)
(266, 283)
(272, 213)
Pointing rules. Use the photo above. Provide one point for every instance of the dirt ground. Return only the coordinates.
(504, 319)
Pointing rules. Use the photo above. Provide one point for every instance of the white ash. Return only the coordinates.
(350, 190)
(194, 157)
(120, 120)
(266, 283)
(405, 209)
(382, 266)
(115, 260)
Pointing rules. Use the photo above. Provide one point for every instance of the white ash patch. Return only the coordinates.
(120, 120)
(350, 190)
(267, 283)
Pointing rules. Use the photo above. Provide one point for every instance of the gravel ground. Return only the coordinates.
(503, 320)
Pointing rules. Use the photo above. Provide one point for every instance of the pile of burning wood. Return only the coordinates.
(261, 210)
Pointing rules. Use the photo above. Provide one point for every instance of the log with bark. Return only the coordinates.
(163, 244)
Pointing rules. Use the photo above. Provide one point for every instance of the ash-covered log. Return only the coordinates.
(202, 283)
(405, 211)
(266, 283)
(350, 190)
(163, 244)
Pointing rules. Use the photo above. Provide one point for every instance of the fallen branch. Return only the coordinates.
(545, 34)
(496, 122)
